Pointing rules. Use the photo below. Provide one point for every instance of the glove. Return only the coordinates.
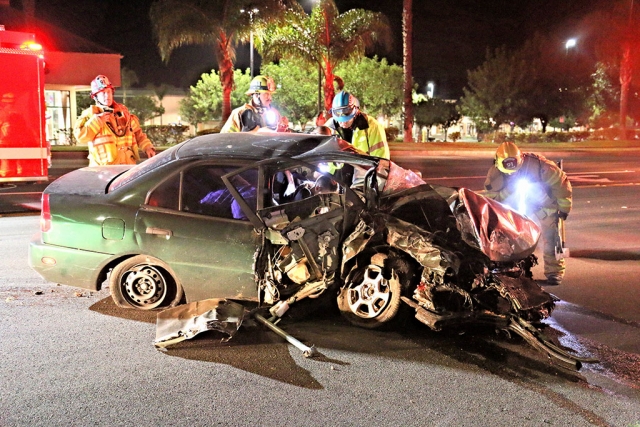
(249, 120)
(283, 125)
(563, 215)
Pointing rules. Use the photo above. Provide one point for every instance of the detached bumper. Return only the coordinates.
(67, 266)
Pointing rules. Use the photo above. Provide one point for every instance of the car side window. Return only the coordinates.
(204, 192)
(166, 194)
(246, 183)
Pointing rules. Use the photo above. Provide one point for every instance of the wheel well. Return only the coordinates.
(402, 264)
(122, 265)
(104, 273)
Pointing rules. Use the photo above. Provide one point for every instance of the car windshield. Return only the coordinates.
(142, 168)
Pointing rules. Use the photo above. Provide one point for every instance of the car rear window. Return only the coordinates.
(142, 168)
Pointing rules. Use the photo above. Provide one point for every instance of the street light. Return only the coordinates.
(430, 89)
(569, 44)
(251, 12)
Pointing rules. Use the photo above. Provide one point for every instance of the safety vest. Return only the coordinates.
(368, 136)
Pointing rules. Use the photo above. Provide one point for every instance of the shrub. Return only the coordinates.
(166, 134)
(208, 131)
(580, 135)
(497, 137)
(605, 134)
(392, 133)
(454, 136)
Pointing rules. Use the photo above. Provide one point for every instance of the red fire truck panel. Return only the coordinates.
(23, 146)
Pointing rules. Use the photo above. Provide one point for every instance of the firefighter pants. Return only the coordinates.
(553, 268)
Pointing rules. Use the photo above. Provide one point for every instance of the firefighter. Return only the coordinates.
(361, 130)
(112, 133)
(258, 112)
(537, 187)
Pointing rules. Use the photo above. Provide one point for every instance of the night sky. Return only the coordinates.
(450, 36)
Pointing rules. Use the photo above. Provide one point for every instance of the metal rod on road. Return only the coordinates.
(306, 351)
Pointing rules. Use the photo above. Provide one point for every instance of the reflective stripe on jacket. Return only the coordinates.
(554, 191)
(111, 140)
(368, 136)
(234, 122)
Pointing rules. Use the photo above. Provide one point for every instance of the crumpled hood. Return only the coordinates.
(500, 233)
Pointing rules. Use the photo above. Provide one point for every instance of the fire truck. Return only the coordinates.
(24, 153)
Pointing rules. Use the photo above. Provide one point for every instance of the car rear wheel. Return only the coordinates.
(144, 283)
(371, 296)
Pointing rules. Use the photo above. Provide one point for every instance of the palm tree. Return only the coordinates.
(617, 40)
(128, 78)
(324, 38)
(407, 34)
(160, 91)
(221, 23)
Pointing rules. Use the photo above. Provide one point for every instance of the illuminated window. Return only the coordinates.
(58, 123)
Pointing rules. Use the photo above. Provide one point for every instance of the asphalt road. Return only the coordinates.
(73, 358)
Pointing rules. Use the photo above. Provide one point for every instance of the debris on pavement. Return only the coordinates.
(186, 321)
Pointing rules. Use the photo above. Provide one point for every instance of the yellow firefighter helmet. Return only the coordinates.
(261, 84)
(508, 158)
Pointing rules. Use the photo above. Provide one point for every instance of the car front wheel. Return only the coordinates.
(370, 298)
(144, 283)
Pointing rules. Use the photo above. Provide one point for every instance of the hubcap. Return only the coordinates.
(369, 298)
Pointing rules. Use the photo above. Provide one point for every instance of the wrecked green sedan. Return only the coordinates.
(257, 218)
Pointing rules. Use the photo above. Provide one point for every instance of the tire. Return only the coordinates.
(371, 296)
(144, 283)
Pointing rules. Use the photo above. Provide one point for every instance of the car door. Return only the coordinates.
(310, 221)
(192, 222)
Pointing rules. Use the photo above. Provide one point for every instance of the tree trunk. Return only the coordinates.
(625, 82)
(407, 34)
(329, 91)
(225, 65)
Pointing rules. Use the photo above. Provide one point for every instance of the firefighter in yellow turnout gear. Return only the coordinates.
(111, 132)
(537, 187)
(257, 113)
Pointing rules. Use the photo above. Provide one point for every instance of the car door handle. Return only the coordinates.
(159, 232)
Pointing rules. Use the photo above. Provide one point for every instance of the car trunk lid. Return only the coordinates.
(89, 181)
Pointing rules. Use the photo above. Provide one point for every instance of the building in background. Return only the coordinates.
(71, 62)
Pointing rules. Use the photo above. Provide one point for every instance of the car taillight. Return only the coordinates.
(45, 214)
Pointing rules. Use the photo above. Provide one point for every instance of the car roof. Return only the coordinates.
(258, 146)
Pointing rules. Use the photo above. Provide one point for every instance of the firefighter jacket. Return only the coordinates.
(366, 134)
(113, 135)
(549, 192)
(247, 118)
